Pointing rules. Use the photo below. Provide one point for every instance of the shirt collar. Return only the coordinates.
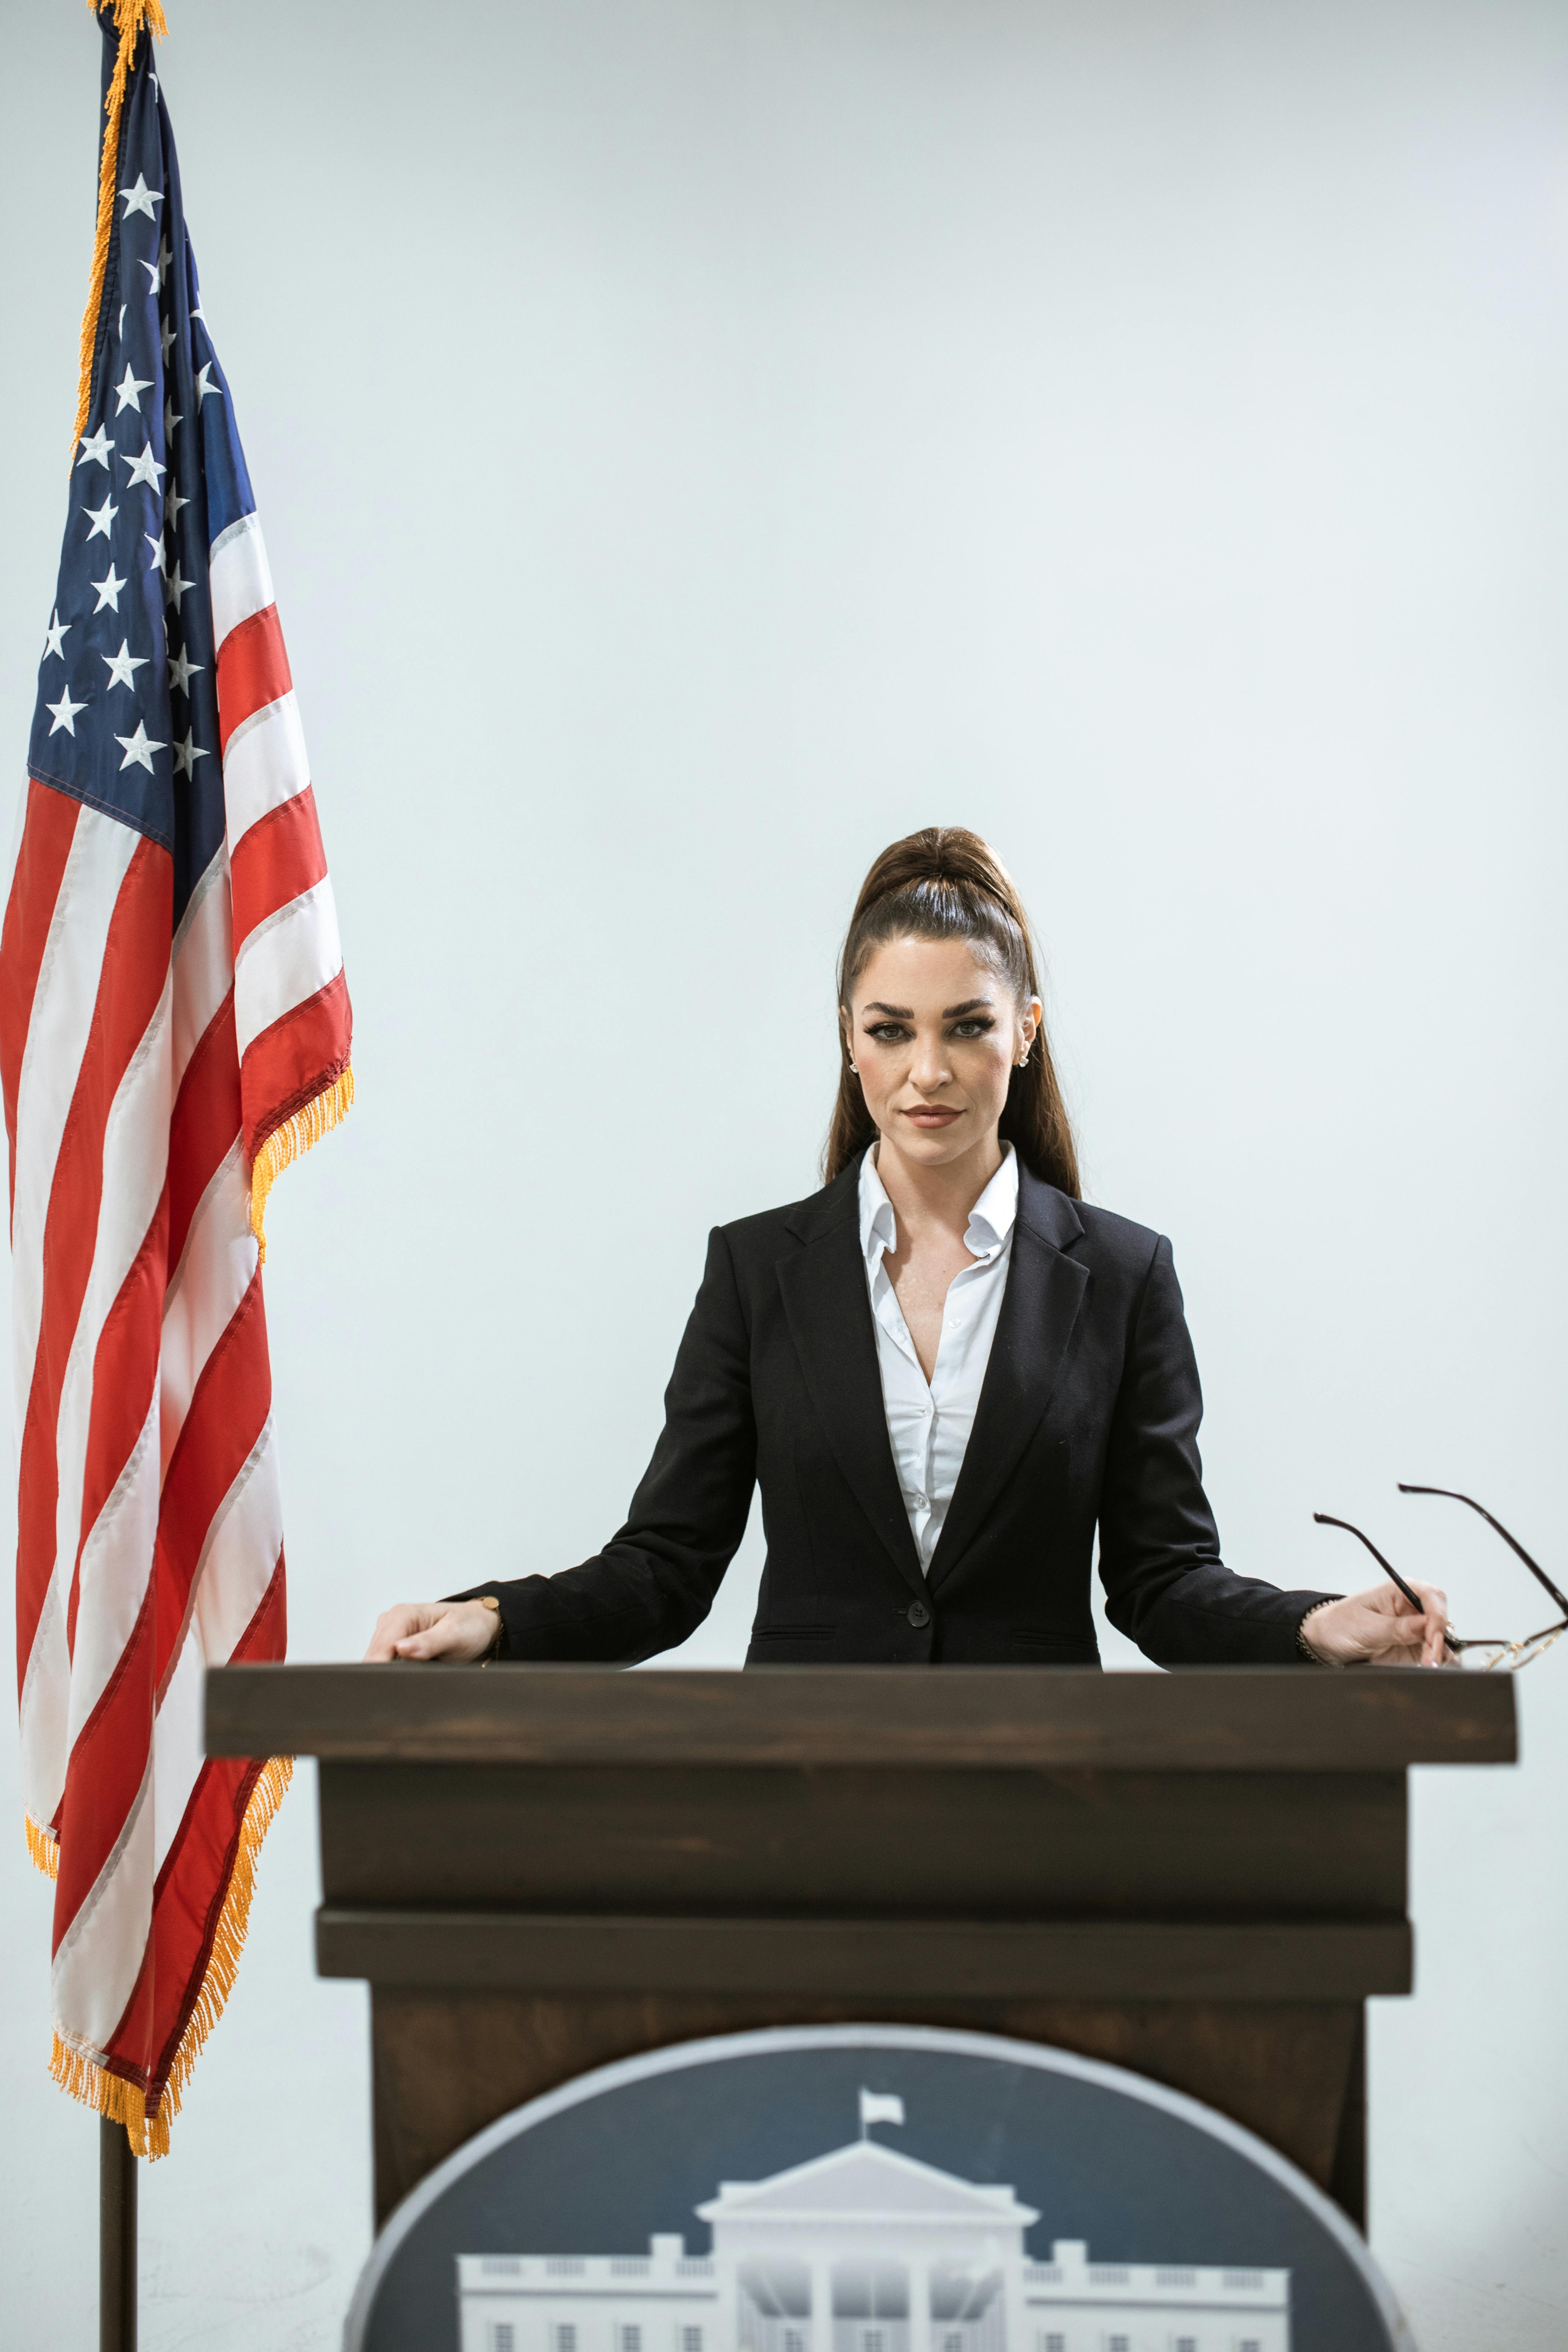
(991, 1220)
(993, 1217)
(879, 1227)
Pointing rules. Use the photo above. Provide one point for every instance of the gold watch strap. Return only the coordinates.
(489, 1600)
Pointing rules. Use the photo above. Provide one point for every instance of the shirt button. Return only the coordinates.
(919, 1614)
(919, 1502)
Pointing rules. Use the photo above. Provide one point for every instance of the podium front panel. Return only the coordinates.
(540, 1870)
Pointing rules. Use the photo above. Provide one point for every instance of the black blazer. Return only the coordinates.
(1089, 1415)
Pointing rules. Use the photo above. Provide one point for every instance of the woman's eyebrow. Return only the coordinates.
(970, 1005)
(898, 1012)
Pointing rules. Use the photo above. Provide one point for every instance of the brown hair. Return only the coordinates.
(945, 883)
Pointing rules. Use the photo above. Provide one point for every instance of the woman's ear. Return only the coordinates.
(1030, 1020)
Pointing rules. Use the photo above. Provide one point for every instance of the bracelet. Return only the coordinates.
(489, 1600)
(1302, 1644)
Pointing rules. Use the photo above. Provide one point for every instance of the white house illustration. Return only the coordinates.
(865, 2250)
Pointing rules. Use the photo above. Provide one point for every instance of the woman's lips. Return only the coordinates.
(932, 1118)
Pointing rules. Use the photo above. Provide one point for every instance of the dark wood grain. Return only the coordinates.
(972, 1844)
(1238, 1719)
(1199, 1877)
(1134, 1959)
(446, 2062)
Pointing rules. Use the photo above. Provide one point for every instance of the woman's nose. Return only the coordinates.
(928, 1067)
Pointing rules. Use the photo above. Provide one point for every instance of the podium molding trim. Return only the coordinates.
(985, 1959)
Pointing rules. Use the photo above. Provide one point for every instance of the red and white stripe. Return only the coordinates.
(140, 1074)
(290, 1000)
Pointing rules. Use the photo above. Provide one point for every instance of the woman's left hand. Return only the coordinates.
(1379, 1628)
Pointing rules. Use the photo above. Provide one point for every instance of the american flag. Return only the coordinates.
(174, 1026)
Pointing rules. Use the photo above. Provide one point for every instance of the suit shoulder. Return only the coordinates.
(747, 1234)
(1120, 1239)
(770, 1231)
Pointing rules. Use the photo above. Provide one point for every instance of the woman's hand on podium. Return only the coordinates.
(458, 1631)
(1379, 1628)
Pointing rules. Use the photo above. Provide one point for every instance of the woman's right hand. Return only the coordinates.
(458, 1631)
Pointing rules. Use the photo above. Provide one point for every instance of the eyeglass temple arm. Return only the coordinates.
(1325, 1519)
(1451, 1496)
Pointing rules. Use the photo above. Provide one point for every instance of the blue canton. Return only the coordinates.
(127, 716)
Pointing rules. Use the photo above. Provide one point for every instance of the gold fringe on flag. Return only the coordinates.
(43, 1847)
(286, 1143)
(110, 2095)
(129, 16)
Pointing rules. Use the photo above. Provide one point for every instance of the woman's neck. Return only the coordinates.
(941, 1194)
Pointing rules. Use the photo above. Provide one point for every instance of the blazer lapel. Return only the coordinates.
(829, 1314)
(1039, 1309)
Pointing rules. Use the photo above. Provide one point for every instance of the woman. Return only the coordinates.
(946, 1370)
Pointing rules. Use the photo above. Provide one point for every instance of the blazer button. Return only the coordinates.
(919, 1614)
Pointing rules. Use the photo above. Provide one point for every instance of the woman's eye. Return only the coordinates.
(887, 1033)
(973, 1028)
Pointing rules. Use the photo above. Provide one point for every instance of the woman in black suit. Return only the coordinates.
(946, 1370)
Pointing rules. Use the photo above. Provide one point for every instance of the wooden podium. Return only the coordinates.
(1198, 1875)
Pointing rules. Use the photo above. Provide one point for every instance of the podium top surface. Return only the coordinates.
(1242, 1719)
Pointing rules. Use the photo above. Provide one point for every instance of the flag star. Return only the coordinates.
(138, 748)
(141, 198)
(101, 518)
(198, 313)
(173, 502)
(158, 270)
(176, 587)
(204, 387)
(166, 337)
(144, 469)
(124, 307)
(54, 635)
(159, 557)
(153, 79)
(96, 447)
(64, 713)
(187, 754)
(171, 418)
(121, 664)
(182, 669)
(130, 389)
(108, 590)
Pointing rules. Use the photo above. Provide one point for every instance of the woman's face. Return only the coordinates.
(935, 1032)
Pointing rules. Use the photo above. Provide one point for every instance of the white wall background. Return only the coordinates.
(699, 440)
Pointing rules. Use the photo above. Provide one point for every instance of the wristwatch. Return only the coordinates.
(489, 1600)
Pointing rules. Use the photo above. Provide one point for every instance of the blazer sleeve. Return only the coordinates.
(1167, 1587)
(654, 1583)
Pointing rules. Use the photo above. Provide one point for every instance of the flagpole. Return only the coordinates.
(116, 2159)
(116, 2238)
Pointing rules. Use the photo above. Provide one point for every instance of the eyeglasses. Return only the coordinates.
(1484, 1656)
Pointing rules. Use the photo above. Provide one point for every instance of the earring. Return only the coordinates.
(856, 1067)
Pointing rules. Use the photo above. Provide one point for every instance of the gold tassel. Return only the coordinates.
(43, 1847)
(130, 15)
(123, 2103)
(286, 1143)
(107, 2094)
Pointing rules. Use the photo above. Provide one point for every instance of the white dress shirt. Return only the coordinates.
(929, 1422)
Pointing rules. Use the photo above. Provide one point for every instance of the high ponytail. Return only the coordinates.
(945, 883)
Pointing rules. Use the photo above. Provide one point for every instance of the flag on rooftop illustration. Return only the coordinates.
(175, 1028)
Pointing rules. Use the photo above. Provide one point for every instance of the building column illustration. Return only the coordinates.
(821, 2304)
(1014, 2324)
(921, 2334)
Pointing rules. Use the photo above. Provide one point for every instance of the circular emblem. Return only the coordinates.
(868, 2188)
